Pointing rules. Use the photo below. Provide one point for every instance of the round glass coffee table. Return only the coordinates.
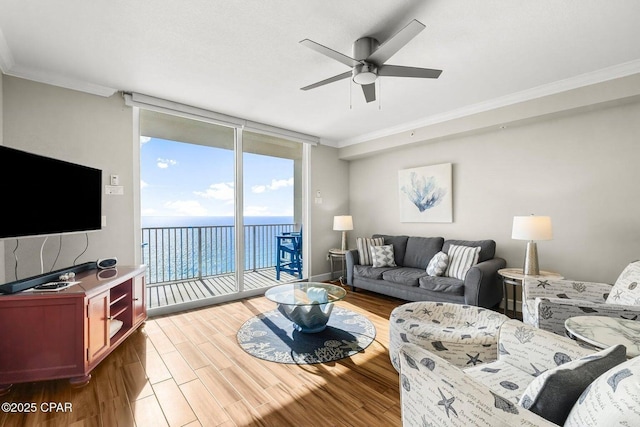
(308, 305)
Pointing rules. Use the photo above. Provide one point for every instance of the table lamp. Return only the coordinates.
(531, 228)
(343, 223)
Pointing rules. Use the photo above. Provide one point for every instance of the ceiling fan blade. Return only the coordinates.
(396, 42)
(369, 92)
(327, 81)
(346, 60)
(399, 71)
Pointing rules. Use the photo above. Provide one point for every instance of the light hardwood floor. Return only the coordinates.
(187, 369)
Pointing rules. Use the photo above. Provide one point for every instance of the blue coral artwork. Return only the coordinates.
(426, 194)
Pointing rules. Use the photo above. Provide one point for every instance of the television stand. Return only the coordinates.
(48, 335)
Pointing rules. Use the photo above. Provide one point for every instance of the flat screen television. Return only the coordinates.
(42, 196)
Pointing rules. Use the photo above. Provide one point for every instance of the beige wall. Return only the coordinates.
(580, 169)
(80, 128)
(330, 176)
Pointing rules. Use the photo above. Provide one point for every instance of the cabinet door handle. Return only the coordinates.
(136, 299)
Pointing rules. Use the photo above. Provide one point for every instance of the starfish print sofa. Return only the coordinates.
(538, 379)
(548, 303)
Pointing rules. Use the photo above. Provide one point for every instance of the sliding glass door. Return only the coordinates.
(272, 210)
(215, 203)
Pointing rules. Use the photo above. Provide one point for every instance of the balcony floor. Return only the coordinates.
(164, 294)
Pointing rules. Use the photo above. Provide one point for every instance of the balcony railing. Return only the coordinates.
(183, 253)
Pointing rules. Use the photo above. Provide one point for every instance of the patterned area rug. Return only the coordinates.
(270, 336)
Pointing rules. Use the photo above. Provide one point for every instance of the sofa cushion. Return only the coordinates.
(553, 393)
(461, 259)
(420, 250)
(364, 248)
(404, 275)
(399, 246)
(438, 264)
(611, 400)
(369, 272)
(447, 285)
(626, 290)
(382, 256)
(487, 247)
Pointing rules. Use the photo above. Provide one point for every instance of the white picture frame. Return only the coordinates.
(426, 194)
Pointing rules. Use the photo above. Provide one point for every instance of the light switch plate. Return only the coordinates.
(114, 190)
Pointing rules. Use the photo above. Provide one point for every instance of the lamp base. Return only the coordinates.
(344, 240)
(531, 267)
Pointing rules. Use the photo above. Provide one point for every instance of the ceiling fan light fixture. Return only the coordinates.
(364, 74)
(369, 58)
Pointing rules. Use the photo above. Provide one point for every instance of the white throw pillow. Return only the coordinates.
(438, 264)
(461, 259)
(626, 290)
(364, 245)
(382, 256)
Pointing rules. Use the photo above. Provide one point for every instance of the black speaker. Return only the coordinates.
(104, 263)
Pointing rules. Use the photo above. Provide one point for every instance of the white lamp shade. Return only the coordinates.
(531, 227)
(342, 223)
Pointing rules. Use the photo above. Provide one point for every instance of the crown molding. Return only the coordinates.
(599, 76)
(59, 80)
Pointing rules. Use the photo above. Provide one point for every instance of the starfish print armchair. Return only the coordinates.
(548, 303)
(539, 379)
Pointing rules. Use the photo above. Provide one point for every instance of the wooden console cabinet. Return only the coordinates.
(65, 334)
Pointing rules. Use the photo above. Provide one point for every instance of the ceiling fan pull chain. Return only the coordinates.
(379, 94)
(350, 91)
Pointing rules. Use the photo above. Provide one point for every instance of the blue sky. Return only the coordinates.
(179, 179)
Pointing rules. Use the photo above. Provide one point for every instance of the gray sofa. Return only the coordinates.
(409, 281)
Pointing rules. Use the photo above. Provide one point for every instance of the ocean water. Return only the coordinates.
(191, 221)
(182, 248)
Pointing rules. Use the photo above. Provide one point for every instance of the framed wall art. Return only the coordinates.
(426, 194)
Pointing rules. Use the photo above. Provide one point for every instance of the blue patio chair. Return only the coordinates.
(289, 254)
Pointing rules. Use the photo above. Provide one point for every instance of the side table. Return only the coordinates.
(514, 277)
(337, 254)
(603, 332)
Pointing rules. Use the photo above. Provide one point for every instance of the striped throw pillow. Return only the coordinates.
(461, 259)
(364, 245)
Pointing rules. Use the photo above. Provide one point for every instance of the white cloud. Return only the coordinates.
(149, 212)
(219, 191)
(143, 184)
(144, 139)
(186, 207)
(165, 163)
(275, 185)
(280, 183)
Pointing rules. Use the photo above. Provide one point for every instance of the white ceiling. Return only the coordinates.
(242, 58)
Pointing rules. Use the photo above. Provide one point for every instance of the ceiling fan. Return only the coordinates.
(369, 57)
